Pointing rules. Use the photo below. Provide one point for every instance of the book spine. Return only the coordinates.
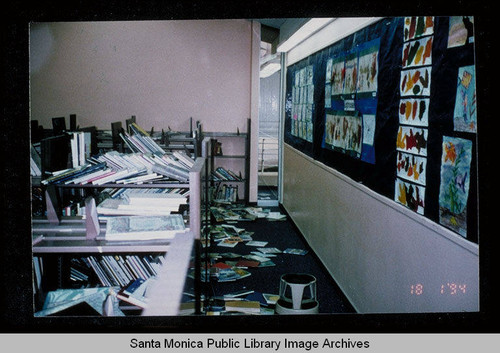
(126, 271)
(99, 272)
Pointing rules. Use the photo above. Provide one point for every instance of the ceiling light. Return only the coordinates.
(303, 32)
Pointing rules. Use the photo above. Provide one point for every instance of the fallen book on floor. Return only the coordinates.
(144, 227)
(244, 306)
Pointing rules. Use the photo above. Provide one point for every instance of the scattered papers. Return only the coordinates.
(295, 251)
(276, 216)
(257, 243)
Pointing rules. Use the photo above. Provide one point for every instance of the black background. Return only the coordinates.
(381, 176)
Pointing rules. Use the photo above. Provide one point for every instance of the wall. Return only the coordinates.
(163, 72)
(375, 249)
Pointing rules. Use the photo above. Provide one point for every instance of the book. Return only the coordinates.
(295, 251)
(144, 227)
(244, 306)
(136, 292)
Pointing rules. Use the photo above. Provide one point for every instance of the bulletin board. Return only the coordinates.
(393, 106)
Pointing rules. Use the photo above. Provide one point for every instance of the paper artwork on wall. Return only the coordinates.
(351, 75)
(465, 116)
(368, 72)
(416, 82)
(454, 187)
(418, 26)
(303, 104)
(343, 131)
(413, 111)
(461, 31)
(411, 167)
(417, 52)
(410, 195)
(412, 139)
(335, 75)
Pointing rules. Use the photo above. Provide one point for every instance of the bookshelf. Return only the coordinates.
(231, 152)
(61, 242)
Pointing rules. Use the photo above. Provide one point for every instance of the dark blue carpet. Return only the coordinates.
(281, 235)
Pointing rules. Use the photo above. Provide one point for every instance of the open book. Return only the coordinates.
(144, 227)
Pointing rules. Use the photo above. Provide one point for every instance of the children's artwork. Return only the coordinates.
(368, 72)
(368, 129)
(411, 167)
(343, 131)
(413, 111)
(454, 188)
(417, 52)
(416, 82)
(302, 104)
(412, 139)
(465, 116)
(418, 26)
(410, 195)
(461, 31)
(351, 75)
(335, 75)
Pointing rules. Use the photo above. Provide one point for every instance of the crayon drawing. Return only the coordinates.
(343, 132)
(412, 140)
(461, 31)
(336, 76)
(414, 112)
(454, 187)
(416, 82)
(418, 26)
(368, 72)
(411, 167)
(465, 115)
(351, 76)
(410, 195)
(417, 52)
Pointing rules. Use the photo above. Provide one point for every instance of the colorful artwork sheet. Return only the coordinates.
(368, 71)
(416, 82)
(461, 31)
(413, 111)
(410, 195)
(454, 187)
(303, 104)
(412, 140)
(418, 26)
(351, 75)
(343, 131)
(417, 52)
(411, 167)
(465, 115)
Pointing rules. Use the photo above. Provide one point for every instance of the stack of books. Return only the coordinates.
(140, 141)
(136, 203)
(222, 174)
(80, 148)
(116, 167)
(118, 270)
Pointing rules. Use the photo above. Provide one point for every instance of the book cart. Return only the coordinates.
(229, 158)
(61, 240)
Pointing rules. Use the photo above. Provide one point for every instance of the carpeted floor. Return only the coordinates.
(281, 235)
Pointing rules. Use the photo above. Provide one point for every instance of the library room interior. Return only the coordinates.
(254, 168)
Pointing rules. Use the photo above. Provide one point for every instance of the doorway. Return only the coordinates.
(269, 128)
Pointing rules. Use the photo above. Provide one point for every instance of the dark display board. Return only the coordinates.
(393, 108)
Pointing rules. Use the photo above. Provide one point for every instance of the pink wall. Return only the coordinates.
(163, 72)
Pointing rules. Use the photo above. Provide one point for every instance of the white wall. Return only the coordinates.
(376, 249)
(163, 72)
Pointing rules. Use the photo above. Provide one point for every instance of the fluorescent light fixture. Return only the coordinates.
(269, 69)
(310, 27)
